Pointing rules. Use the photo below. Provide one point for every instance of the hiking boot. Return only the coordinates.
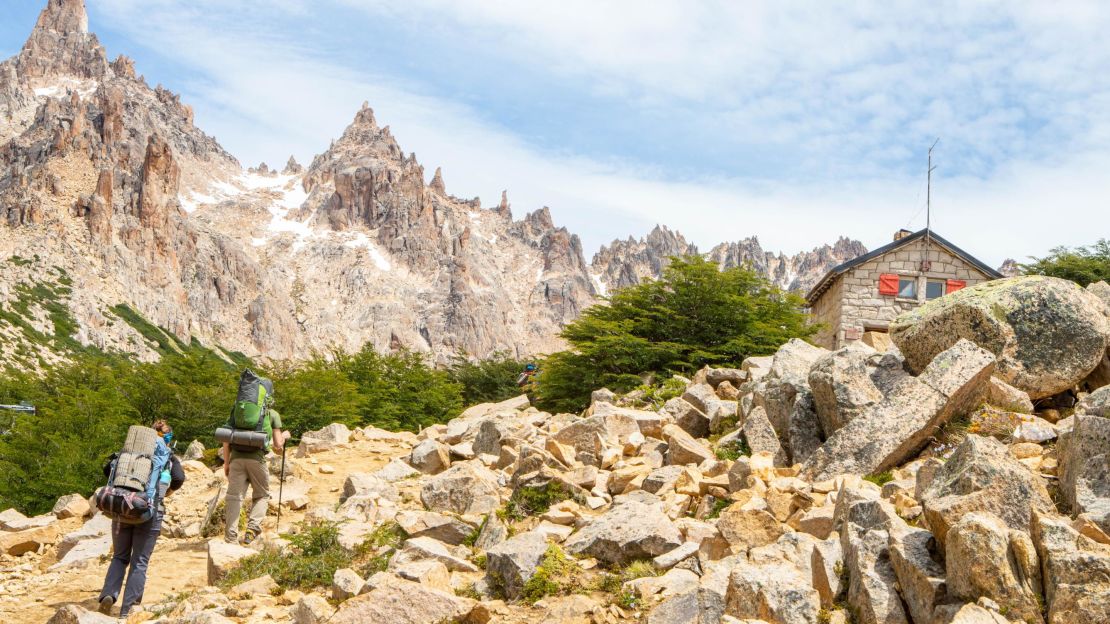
(105, 605)
(249, 536)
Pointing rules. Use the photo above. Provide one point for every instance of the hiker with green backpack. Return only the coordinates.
(253, 428)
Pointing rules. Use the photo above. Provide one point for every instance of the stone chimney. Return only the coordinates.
(900, 234)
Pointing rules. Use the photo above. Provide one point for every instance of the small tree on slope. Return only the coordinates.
(694, 315)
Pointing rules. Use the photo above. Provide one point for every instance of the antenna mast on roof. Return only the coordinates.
(925, 263)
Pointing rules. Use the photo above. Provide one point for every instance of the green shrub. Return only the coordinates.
(1082, 265)
(527, 501)
(733, 450)
(881, 478)
(613, 582)
(377, 549)
(719, 505)
(557, 574)
(318, 555)
(694, 315)
(487, 381)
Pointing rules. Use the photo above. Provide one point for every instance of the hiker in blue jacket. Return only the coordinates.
(132, 544)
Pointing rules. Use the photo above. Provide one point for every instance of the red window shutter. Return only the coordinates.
(952, 286)
(888, 284)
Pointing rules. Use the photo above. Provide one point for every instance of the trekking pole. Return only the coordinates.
(281, 487)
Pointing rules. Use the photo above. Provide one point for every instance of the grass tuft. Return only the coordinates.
(317, 555)
(529, 501)
(557, 574)
(880, 479)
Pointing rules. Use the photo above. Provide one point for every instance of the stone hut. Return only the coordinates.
(862, 296)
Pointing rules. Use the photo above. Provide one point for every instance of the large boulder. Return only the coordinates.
(777, 593)
(983, 476)
(71, 506)
(872, 586)
(311, 609)
(335, 432)
(986, 558)
(74, 614)
(696, 606)
(761, 436)
(628, 531)
(650, 423)
(748, 528)
(919, 567)
(84, 552)
(865, 527)
(222, 557)
(683, 449)
(686, 415)
(588, 437)
(17, 543)
(430, 457)
(788, 375)
(446, 529)
(194, 452)
(399, 601)
(1084, 470)
(892, 431)
(96, 527)
(1047, 333)
(805, 432)
(1096, 403)
(842, 387)
(1076, 572)
(370, 485)
(464, 488)
(423, 548)
(511, 563)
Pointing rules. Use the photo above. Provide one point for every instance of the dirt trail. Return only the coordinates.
(30, 593)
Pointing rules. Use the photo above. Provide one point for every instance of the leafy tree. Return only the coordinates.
(192, 391)
(82, 417)
(487, 381)
(1082, 265)
(313, 394)
(695, 315)
(401, 391)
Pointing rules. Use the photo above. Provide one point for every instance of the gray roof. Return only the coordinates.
(837, 271)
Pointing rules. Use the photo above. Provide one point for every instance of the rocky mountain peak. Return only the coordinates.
(627, 262)
(437, 184)
(64, 17)
(504, 208)
(1010, 268)
(292, 167)
(61, 45)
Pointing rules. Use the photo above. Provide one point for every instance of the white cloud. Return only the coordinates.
(831, 85)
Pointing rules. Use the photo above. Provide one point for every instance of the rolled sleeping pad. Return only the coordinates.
(243, 439)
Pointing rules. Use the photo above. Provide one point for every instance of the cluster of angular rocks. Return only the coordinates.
(1010, 524)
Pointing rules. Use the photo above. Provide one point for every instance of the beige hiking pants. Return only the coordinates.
(245, 472)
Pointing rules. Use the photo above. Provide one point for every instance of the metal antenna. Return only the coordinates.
(925, 264)
(929, 191)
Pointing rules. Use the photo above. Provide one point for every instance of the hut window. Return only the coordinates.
(907, 288)
(935, 289)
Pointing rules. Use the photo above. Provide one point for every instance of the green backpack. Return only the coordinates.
(252, 404)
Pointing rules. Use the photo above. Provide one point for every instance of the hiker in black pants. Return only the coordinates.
(132, 544)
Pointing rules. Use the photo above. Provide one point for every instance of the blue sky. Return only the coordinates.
(795, 122)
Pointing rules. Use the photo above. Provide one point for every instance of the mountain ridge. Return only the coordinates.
(110, 180)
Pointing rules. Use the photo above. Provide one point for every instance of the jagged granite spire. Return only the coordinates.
(61, 45)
